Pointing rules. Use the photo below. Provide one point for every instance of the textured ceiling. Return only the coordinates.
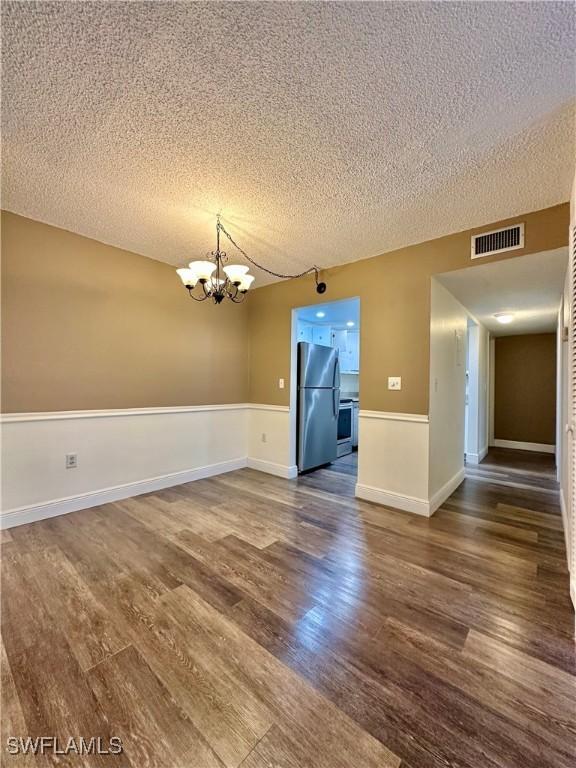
(529, 286)
(323, 132)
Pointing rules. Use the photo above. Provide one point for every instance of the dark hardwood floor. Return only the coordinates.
(251, 621)
(520, 469)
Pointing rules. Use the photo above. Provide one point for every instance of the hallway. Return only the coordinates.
(520, 469)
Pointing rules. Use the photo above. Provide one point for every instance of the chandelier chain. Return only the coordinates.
(265, 269)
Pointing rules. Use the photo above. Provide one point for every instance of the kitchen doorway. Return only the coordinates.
(325, 389)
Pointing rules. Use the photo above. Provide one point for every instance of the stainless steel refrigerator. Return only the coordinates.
(318, 405)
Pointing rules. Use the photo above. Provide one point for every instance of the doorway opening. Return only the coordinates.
(510, 313)
(324, 390)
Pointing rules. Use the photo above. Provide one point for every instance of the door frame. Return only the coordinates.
(293, 414)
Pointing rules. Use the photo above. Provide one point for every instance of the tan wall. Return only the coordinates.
(89, 326)
(525, 393)
(394, 290)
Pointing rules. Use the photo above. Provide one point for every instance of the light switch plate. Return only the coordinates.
(280, 383)
(394, 382)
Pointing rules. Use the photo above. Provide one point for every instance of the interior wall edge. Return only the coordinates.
(448, 344)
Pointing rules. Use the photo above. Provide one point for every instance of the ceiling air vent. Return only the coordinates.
(498, 241)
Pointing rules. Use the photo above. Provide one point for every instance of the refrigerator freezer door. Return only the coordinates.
(318, 366)
(318, 428)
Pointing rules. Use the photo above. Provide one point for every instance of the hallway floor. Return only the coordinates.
(517, 468)
(246, 620)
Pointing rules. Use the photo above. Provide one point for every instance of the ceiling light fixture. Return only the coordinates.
(320, 314)
(350, 324)
(219, 282)
(504, 317)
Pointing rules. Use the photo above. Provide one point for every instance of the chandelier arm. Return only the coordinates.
(315, 270)
(196, 298)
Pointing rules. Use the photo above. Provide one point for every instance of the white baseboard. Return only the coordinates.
(476, 458)
(271, 468)
(447, 489)
(34, 512)
(410, 503)
(395, 500)
(519, 446)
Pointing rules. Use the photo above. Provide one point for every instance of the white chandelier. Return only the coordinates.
(219, 282)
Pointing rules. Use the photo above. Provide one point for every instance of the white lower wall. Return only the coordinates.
(269, 440)
(124, 453)
(120, 454)
(129, 452)
(393, 460)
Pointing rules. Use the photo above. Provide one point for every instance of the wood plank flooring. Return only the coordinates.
(251, 621)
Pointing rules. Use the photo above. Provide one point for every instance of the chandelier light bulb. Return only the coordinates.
(188, 277)
(235, 272)
(202, 269)
(246, 282)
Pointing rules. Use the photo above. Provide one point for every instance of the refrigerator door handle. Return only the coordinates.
(336, 377)
(336, 388)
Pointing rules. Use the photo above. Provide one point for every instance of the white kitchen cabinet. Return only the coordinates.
(305, 332)
(348, 350)
(353, 345)
(339, 342)
(322, 334)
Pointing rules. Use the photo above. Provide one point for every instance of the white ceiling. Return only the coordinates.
(529, 286)
(323, 132)
(336, 313)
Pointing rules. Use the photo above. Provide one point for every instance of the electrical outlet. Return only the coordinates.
(280, 383)
(264, 438)
(71, 460)
(394, 382)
